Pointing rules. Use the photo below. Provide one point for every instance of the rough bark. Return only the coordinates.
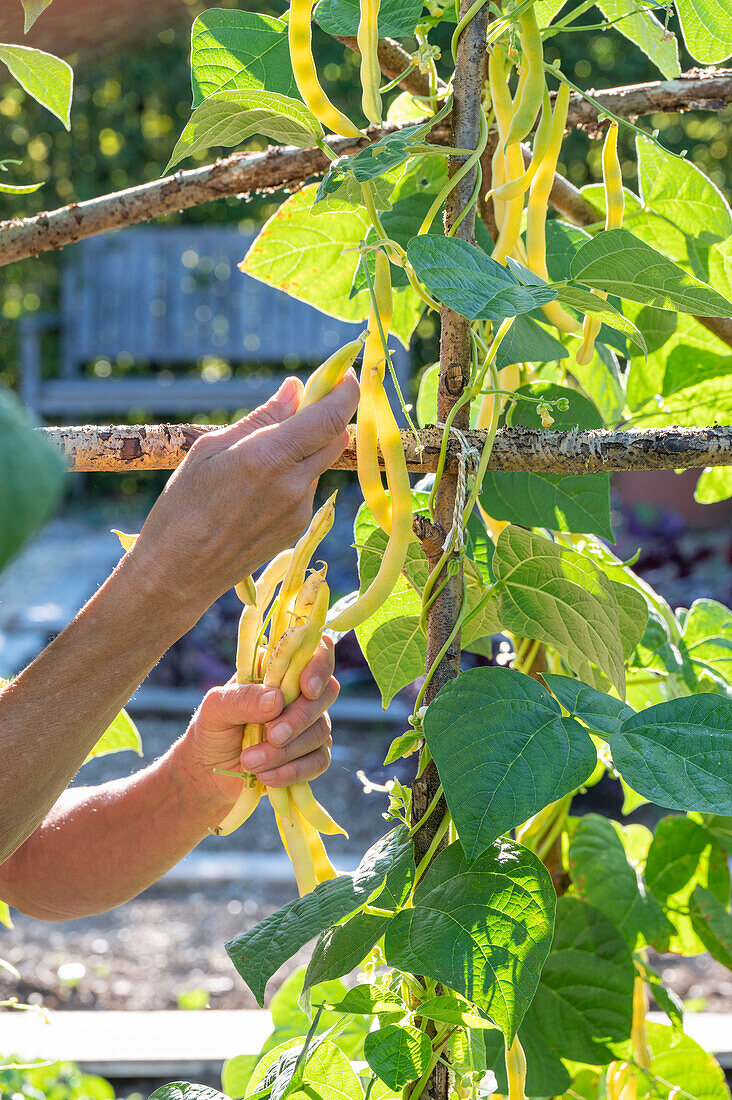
(285, 168)
(127, 448)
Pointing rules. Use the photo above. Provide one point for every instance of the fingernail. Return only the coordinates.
(288, 392)
(265, 777)
(252, 758)
(280, 734)
(270, 700)
(315, 686)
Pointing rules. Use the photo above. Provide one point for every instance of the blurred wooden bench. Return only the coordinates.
(163, 298)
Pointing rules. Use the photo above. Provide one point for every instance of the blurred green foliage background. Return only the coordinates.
(130, 106)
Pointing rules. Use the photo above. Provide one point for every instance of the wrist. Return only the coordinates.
(167, 605)
(200, 797)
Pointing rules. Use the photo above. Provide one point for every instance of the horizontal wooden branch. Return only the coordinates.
(126, 448)
(286, 168)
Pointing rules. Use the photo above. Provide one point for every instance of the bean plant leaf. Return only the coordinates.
(453, 1010)
(257, 954)
(706, 28)
(237, 50)
(184, 1090)
(557, 501)
(15, 188)
(343, 947)
(712, 923)
(676, 753)
(584, 998)
(470, 282)
(32, 477)
(642, 28)
(684, 855)
(681, 1066)
(314, 259)
(503, 752)
(236, 1073)
(586, 301)
(398, 1054)
(32, 9)
(678, 192)
(603, 876)
(120, 735)
(46, 78)
(597, 710)
(564, 600)
(714, 484)
(229, 117)
(371, 1000)
(483, 929)
(397, 18)
(617, 262)
(707, 638)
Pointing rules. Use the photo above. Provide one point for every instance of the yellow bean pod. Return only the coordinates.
(536, 212)
(612, 176)
(516, 1071)
(279, 657)
(369, 475)
(509, 227)
(531, 92)
(241, 811)
(329, 373)
(395, 555)
(309, 641)
(296, 845)
(306, 76)
(368, 44)
(324, 869)
(518, 187)
(311, 810)
(319, 527)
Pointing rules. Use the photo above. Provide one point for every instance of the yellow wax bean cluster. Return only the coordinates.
(294, 599)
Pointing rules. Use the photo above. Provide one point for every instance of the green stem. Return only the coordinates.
(428, 812)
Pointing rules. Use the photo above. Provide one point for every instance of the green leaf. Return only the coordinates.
(684, 855)
(677, 191)
(563, 599)
(647, 377)
(649, 35)
(45, 77)
(229, 118)
(503, 752)
(398, 1054)
(602, 876)
(707, 30)
(258, 954)
(714, 484)
(16, 188)
(120, 735)
(578, 503)
(452, 1010)
(236, 1074)
(597, 710)
(372, 1000)
(679, 1066)
(584, 999)
(314, 259)
(470, 282)
(344, 947)
(32, 477)
(184, 1090)
(483, 929)
(340, 949)
(675, 753)
(397, 18)
(603, 382)
(595, 306)
(617, 262)
(32, 9)
(237, 50)
(528, 342)
(707, 638)
(712, 923)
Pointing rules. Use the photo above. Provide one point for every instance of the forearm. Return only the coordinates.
(100, 846)
(53, 713)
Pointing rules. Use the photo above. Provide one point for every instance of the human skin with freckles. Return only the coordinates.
(242, 495)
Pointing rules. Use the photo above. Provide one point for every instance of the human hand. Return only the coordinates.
(298, 740)
(242, 495)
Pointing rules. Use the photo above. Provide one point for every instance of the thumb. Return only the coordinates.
(237, 704)
(281, 406)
